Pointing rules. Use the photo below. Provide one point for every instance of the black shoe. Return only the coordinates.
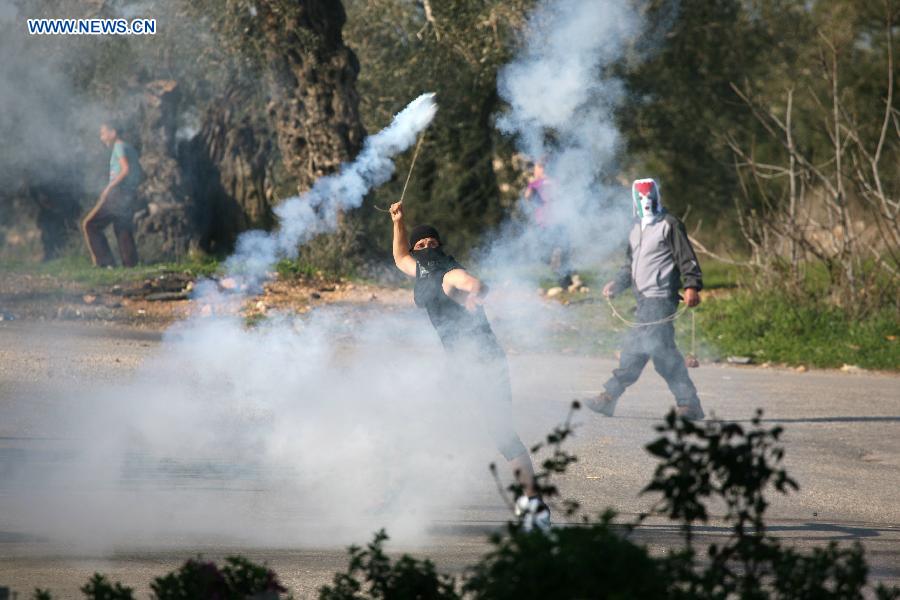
(602, 403)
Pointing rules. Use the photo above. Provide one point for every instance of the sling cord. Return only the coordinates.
(408, 175)
(668, 319)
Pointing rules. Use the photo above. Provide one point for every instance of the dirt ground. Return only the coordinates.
(157, 302)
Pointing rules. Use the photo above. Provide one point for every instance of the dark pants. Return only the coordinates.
(479, 364)
(655, 342)
(118, 211)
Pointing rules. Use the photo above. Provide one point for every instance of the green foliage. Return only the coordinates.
(100, 588)
(372, 574)
(237, 580)
(719, 462)
(41, 594)
(294, 269)
(593, 561)
(770, 326)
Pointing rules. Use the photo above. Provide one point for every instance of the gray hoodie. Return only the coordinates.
(659, 256)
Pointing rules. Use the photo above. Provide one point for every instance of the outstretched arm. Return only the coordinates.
(402, 258)
(464, 288)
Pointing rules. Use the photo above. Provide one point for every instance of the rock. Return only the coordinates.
(261, 307)
(739, 360)
(554, 291)
(851, 369)
(691, 361)
(585, 289)
(801, 369)
(89, 298)
(373, 298)
(315, 295)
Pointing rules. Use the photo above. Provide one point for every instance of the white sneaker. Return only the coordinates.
(533, 514)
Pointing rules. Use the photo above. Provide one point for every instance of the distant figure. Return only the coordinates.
(116, 203)
(540, 191)
(659, 258)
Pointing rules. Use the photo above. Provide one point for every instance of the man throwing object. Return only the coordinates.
(453, 298)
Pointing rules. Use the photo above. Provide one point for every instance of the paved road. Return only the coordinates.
(841, 436)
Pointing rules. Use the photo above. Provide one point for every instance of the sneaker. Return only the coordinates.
(691, 412)
(533, 514)
(602, 403)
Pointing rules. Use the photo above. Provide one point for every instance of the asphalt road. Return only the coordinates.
(842, 439)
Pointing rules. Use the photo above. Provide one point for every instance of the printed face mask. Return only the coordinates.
(645, 198)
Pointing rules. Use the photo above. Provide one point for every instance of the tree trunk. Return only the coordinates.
(166, 229)
(314, 107)
(228, 169)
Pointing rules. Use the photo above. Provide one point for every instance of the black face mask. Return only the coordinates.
(430, 259)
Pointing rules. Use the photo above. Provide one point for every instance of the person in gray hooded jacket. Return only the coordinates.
(660, 259)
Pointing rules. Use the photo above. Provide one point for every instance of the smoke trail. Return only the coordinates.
(305, 216)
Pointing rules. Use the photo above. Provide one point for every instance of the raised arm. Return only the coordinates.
(402, 258)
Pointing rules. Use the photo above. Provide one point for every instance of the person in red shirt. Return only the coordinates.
(540, 192)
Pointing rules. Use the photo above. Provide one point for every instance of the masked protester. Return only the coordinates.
(453, 300)
(659, 259)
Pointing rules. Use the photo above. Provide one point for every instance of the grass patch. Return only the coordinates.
(78, 269)
(771, 327)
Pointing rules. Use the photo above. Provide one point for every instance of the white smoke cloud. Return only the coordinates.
(561, 100)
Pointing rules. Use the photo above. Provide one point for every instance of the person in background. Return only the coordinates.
(453, 299)
(540, 192)
(116, 203)
(659, 258)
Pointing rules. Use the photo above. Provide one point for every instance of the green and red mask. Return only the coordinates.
(645, 197)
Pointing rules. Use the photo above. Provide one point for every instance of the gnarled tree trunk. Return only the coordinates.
(314, 106)
(166, 229)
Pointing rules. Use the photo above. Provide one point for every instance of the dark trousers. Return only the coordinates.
(118, 211)
(655, 342)
(479, 364)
